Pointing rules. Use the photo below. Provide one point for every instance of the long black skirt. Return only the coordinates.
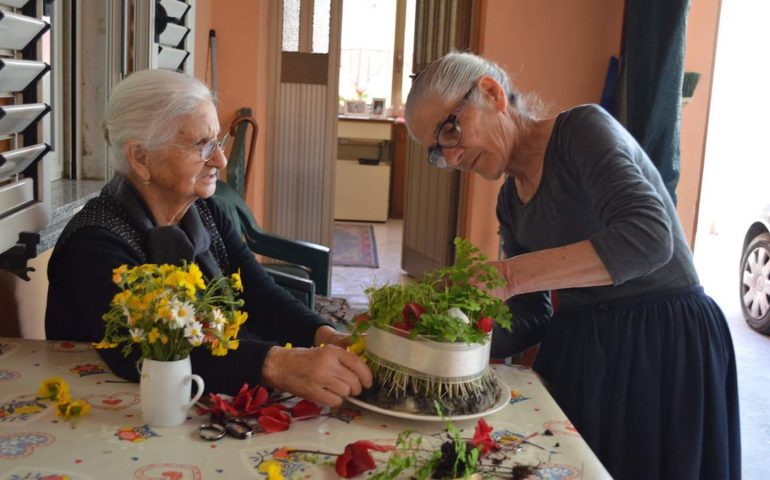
(650, 383)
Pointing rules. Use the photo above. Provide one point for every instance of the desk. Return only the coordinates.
(112, 442)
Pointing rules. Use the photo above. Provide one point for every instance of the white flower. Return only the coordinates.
(182, 313)
(137, 334)
(458, 314)
(194, 333)
(218, 320)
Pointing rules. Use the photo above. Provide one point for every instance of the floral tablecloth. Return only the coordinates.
(113, 443)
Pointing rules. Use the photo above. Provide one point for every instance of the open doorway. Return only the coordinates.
(375, 61)
(733, 192)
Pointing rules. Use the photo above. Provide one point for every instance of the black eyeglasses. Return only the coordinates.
(207, 149)
(448, 135)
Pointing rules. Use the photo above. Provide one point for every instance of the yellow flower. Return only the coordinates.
(104, 344)
(63, 409)
(117, 273)
(358, 347)
(152, 337)
(164, 339)
(54, 388)
(218, 349)
(236, 277)
(166, 269)
(231, 331)
(288, 345)
(73, 410)
(196, 276)
(164, 310)
(233, 344)
(240, 317)
(272, 468)
(79, 408)
(121, 298)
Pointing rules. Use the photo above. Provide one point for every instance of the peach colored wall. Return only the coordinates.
(241, 29)
(557, 50)
(702, 25)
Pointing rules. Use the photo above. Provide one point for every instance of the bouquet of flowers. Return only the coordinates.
(168, 310)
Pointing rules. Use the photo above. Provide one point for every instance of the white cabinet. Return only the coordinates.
(361, 191)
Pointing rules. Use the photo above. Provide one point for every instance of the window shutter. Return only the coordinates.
(24, 119)
(173, 37)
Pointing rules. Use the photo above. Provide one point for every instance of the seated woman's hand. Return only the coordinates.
(326, 335)
(324, 375)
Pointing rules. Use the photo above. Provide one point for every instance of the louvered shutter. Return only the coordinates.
(173, 37)
(24, 186)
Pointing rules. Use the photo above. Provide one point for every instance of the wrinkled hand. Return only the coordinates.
(503, 268)
(326, 335)
(324, 375)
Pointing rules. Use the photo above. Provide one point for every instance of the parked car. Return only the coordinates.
(755, 274)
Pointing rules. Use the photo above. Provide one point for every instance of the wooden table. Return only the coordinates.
(113, 443)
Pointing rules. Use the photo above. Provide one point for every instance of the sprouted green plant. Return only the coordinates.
(437, 294)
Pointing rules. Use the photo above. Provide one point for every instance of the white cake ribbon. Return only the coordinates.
(440, 359)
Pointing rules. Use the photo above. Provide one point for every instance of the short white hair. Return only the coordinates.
(144, 107)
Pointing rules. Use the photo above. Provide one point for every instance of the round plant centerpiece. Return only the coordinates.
(428, 342)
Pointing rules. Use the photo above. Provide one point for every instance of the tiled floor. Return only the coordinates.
(717, 264)
(350, 282)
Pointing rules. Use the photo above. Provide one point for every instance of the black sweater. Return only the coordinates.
(80, 290)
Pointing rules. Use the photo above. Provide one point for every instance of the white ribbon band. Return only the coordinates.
(439, 359)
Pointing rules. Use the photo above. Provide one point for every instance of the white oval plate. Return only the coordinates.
(503, 397)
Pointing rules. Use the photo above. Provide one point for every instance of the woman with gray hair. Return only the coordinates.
(637, 355)
(162, 129)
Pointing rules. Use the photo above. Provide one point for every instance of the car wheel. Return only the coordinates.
(755, 283)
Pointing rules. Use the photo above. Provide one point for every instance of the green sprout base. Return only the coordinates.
(398, 388)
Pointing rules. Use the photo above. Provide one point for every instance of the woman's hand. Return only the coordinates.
(505, 271)
(324, 375)
(326, 335)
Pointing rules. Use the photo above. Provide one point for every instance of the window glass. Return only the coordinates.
(366, 56)
(321, 19)
(408, 48)
(291, 10)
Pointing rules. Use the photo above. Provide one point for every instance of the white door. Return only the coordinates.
(302, 131)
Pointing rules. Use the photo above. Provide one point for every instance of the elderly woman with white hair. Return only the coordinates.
(637, 355)
(162, 130)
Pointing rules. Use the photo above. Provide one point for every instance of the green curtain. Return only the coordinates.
(648, 100)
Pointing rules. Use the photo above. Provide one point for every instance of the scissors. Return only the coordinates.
(219, 427)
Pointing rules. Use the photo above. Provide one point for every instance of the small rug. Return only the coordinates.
(354, 246)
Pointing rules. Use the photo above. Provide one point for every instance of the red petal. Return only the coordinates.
(356, 458)
(272, 419)
(305, 409)
(258, 398)
(482, 438)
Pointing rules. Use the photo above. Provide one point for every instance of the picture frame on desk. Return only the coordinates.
(378, 107)
(355, 107)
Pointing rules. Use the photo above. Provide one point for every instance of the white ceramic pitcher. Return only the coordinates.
(165, 389)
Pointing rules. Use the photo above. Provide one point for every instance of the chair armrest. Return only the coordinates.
(301, 288)
(315, 257)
